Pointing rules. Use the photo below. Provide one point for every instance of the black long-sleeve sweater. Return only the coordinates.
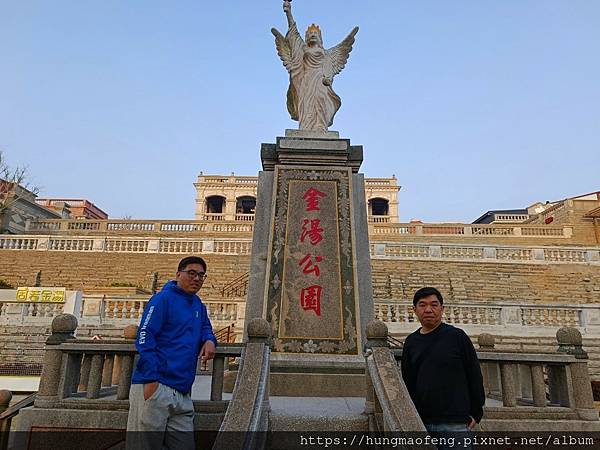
(443, 377)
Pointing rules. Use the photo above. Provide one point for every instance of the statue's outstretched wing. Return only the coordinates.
(339, 54)
(284, 50)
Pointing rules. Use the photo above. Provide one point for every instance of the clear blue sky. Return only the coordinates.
(473, 105)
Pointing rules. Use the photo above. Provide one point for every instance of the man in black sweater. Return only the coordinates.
(441, 370)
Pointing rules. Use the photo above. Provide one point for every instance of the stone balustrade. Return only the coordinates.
(379, 226)
(243, 246)
(96, 374)
(499, 318)
(538, 388)
(89, 381)
(524, 391)
(485, 253)
(460, 229)
(135, 245)
(94, 310)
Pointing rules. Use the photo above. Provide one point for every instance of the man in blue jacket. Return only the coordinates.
(173, 332)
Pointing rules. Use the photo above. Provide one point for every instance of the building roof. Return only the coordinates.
(484, 218)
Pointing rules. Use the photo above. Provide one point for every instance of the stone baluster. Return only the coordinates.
(116, 373)
(95, 376)
(107, 370)
(489, 370)
(126, 365)
(538, 386)
(216, 382)
(508, 377)
(570, 342)
(85, 372)
(63, 329)
(525, 381)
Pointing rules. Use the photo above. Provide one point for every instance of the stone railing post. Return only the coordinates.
(570, 342)
(63, 329)
(490, 371)
(5, 398)
(123, 365)
(377, 334)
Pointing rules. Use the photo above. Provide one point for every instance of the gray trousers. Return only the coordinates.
(164, 421)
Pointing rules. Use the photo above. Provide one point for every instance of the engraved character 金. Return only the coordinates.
(312, 229)
(310, 266)
(46, 296)
(312, 197)
(310, 299)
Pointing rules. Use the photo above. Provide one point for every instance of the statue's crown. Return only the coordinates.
(314, 28)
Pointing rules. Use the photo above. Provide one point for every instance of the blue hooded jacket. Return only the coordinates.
(173, 329)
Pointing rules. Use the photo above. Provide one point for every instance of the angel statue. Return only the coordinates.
(310, 97)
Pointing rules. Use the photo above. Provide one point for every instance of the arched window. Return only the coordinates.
(215, 204)
(379, 207)
(245, 205)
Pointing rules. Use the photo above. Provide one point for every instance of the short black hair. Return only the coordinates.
(190, 260)
(426, 292)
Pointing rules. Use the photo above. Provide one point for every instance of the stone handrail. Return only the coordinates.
(388, 403)
(496, 316)
(246, 418)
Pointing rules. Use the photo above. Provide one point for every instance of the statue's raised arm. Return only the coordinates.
(310, 98)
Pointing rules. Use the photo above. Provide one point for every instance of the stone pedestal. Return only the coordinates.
(310, 274)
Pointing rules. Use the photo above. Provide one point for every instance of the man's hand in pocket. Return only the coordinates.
(149, 389)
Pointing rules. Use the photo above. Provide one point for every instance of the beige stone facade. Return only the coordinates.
(233, 198)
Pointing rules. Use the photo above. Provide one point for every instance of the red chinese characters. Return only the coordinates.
(310, 266)
(310, 298)
(312, 232)
(312, 197)
(311, 228)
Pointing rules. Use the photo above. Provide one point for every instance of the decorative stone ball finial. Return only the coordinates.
(64, 323)
(377, 334)
(486, 341)
(570, 341)
(5, 398)
(130, 332)
(376, 329)
(63, 329)
(258, 330)
(568, 336)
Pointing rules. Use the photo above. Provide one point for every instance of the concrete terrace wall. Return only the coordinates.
(485, 281)
(392, 278)
(81, 271)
